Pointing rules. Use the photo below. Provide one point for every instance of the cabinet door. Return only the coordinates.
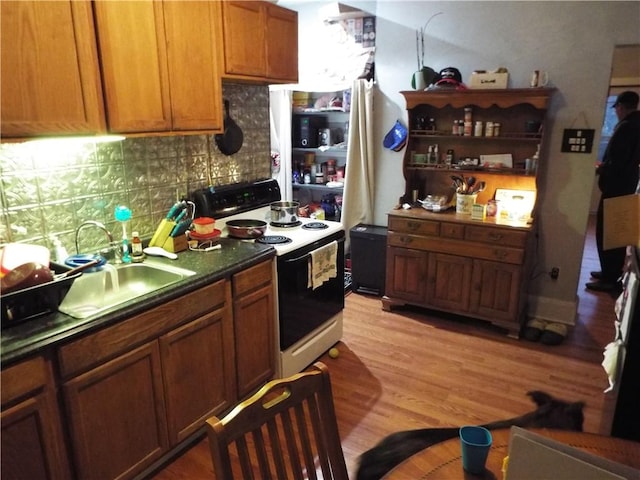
(282, 44)
(406, 274)
(32, 440)
(449, 281)
(50, 74)
(254, 322)
(194, 41)
(117, 415)
(244, 38)
(197, 363)
(134, 65)
(495, 290)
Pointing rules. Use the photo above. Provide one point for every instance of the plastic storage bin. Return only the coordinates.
(368, 258)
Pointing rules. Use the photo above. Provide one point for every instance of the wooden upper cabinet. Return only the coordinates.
(194, 37)
(282, 44)
(50, 73)
(131, 39)
(244, 34)
(260, 41)
(160, 65)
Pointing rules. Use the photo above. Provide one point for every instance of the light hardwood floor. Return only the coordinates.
(409, 369)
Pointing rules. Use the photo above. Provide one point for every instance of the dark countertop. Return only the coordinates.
(27, 338)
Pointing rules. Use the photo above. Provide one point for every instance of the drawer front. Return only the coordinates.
(98, 347)
(496, 236)
(23, 378)
(407, 241)
(462, 248)
(252, 278)
(452, 230)
(410, 225)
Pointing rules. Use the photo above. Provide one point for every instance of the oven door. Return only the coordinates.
(302, 309)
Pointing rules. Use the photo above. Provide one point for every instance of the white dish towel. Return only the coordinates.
(323, 264)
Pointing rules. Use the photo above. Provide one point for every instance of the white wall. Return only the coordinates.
(573, 41)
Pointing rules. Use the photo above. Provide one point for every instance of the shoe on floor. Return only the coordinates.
(602, 286)
(596, 275)
(533, 330)
(554, 334)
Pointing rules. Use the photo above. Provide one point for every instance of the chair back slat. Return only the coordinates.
(287, 430)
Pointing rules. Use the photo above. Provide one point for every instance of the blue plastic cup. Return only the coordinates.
(475, 443)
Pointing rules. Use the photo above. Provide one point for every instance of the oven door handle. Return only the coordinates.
(301, 257)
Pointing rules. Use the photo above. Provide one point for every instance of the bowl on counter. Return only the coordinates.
(204, 225)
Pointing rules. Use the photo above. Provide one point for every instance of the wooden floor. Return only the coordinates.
(406, 369)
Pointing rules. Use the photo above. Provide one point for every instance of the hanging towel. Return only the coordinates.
(323, 265)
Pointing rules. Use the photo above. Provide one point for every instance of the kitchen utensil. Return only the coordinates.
(24, 276)
(13, 255)
(180, 228)
(167, 225)
(246, 228)
(81, 259)
(209, 236)
(479, 187)
(231, 140)
(470, 182)
(284, 212)
(159, 252)
(80, 268)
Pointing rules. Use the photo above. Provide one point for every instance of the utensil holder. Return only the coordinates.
(176, 244)
(464, 203)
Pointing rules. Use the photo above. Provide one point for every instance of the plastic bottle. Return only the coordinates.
(123, 215)
(535, 159)
(136, 248)
(60, 251)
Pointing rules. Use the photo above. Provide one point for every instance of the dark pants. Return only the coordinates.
(611, 261)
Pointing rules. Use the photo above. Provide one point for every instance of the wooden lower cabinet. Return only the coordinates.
(406, 274)
(457, 266)
(197, 362)
(33, 446)
(131, 392)
(254, 321)
(117, 415)
(136, 389)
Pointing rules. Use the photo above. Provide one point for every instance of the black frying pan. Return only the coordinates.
(230, 141)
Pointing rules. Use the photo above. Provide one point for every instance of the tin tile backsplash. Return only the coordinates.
(49, 191)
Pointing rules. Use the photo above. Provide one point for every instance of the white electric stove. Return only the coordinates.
(309, 319)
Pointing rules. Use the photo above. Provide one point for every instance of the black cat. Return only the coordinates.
(392, 450)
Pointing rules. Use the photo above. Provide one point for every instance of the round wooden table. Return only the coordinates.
(443, 460)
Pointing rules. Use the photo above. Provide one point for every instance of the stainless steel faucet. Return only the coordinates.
(114, 247)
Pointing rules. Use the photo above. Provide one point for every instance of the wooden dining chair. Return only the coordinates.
(287, 430)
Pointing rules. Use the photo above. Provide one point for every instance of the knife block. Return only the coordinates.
(176, 244)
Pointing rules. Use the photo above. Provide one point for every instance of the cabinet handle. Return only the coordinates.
(406, 240)
(500, 254)
(495, 237)
(413, 225)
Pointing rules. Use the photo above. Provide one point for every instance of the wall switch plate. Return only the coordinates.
(577, 140)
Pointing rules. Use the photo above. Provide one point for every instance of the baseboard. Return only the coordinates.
(553, 310)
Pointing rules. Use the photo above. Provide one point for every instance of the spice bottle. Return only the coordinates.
(477, 131)
(136, 248)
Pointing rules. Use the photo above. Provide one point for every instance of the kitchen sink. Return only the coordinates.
(95, 292)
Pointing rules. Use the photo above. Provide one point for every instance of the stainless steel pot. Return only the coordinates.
(284, 212)
(246, 228)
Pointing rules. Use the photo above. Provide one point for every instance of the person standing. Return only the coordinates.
(617, 176)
